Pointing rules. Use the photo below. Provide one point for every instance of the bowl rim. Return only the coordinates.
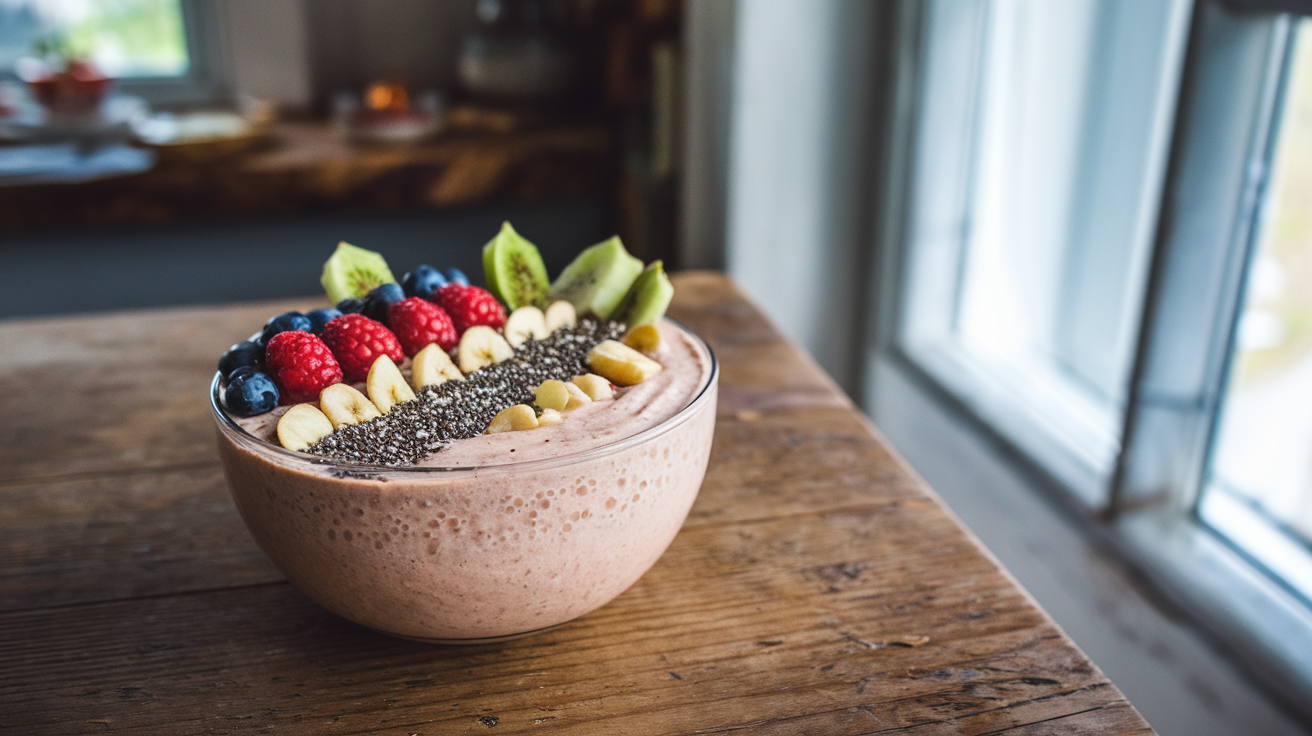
(231, 429)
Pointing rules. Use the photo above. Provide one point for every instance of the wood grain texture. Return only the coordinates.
(817, 586)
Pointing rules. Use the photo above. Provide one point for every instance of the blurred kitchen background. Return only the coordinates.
(1059, 250)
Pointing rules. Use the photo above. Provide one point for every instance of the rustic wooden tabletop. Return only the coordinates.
(817, 587)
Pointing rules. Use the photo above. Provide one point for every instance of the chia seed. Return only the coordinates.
(458, 410)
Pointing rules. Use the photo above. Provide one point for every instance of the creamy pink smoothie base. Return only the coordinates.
(504, 534)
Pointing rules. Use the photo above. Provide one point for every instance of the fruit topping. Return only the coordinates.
(513, 419)
(550, 418)
(357, 341)
(249, 394)
(481, 346)
(596, 387)
(552, 394)
(469, 306)
(597, 279)
(380, 300)
(576, 396)
(560, 314)
(514, 269)
(462, 409)
(344, 405)
(456, 276)
(302, 426)
(246, 354)
(647, 299)
(418, 323)
(352, 271)
(302, 365)
(643, 338)
(433, 367)
(285, 322)
(422, 281)
(386, 385)
(320, 317)
(354, 305)
(621, 364)
(524, 323)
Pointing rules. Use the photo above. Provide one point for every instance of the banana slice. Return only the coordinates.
(524, 323)
(433, 367)
(576, 396)
(386, 385)
(481, 346)
(513, 419)
(302, 426)
(621, 364)
(343, 404)
(644, 338)
(550, 418)
(560, 314)
(552, 394)
(596, 387)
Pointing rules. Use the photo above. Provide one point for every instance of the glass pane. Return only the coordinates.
(124, 38)
(1262, 460)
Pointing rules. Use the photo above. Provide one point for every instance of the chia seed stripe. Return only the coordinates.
(457, 410)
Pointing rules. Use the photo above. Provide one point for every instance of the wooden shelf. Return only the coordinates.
(310, 167)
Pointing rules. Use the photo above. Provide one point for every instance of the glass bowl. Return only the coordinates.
(476, 554)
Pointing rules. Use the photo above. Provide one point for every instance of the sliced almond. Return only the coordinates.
(524, 323)
(596, 387)
(560, 314)
(386, 385)
(552, 394)
(550, 418)
(302, 426)
(343, 405)
(644, 338)
(513, 419)
(621, 364)
(576, 396)
(433, 367)
(481, 346)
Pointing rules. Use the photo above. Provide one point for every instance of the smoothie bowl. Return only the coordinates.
(492, 536)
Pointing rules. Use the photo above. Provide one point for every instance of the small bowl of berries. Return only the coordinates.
(456, 464)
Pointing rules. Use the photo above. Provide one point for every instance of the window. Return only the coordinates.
(163, 50)
(1258, 490)
(1100, 252)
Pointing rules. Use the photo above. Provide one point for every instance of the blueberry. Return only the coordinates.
(422, 282)
(378, 301)
(285, 322)
(350, 306)
(456, 276)
(248, 354)
(249, 394)
(320, 317)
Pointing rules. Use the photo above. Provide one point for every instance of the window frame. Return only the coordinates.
(206, 79)
(1143, 506)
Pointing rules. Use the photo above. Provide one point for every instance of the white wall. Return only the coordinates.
(266, 50)
(800, 93)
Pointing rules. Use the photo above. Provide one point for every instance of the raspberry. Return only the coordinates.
(469, 306)
(419, 323)
(302, 366)
(357, 341)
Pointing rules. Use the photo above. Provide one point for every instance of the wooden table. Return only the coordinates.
(818, 586)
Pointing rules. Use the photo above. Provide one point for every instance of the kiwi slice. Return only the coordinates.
(353, 272)
(597, 279)
(648, 298)
(514, 270)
